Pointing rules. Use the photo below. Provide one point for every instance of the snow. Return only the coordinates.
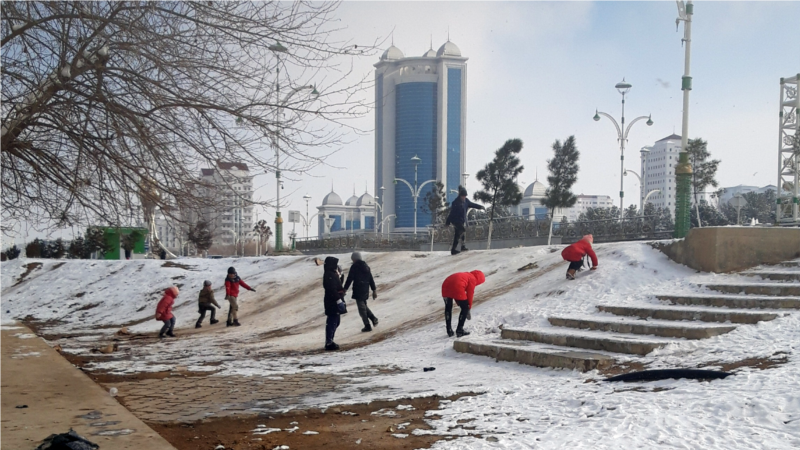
(518, 406)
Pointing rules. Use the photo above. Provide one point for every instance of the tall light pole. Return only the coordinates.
(622, 135)
(307, 198)
(648, 196)
(380, 199)
(641, 187)
(414, 189)
(278, 48)
(683, 170)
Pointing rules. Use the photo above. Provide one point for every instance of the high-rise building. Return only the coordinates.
(420, 110)
(658, 171)
(230, 186)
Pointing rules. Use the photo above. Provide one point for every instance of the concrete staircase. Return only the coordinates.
(594, 342)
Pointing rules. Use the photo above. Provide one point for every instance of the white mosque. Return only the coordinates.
(337, 218)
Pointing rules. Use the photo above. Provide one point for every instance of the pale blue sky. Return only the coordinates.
(538, 70)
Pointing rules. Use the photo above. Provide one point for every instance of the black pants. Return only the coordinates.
(365, 313)
(330, 327)
(575, 265)
(459, 233)
(448, 313)
(203, 310)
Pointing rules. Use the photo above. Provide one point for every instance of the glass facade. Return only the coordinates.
(453, 131)
(337, 223)
(379, 102)
(415, 135)
(369, 223)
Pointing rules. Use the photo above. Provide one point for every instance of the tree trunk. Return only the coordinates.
(550, 234)
(697, 208)
(489, 241)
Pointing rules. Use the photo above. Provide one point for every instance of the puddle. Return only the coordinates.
(104, 424)
(94, 415)
(122, 432)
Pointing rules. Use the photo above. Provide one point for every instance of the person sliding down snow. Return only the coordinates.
(232, 283)
(458, 217)
(575, 253)
(461, 288)
(361, 277)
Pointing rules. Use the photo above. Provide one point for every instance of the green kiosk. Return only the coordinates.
(114, 237)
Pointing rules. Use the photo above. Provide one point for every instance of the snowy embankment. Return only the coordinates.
(521, 405)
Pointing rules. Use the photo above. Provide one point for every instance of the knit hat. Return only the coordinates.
(356, 256)
(589, 238)
(206, 283)
(462, 191)
(231, 270)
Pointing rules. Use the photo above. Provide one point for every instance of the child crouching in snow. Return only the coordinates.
(461, 288)
(164, 311)
(575, 253)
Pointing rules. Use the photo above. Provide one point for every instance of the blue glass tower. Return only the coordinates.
(420, 110)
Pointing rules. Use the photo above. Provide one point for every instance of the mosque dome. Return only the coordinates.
(448, 49)
(332, 199)
(430, 54)
(352, 201)
(365, 200)
(392, 53)
(535, 189)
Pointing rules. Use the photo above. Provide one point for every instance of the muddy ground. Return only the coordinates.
(343, 427)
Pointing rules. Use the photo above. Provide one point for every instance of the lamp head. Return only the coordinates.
(278, 47)
(315, 92)
(649, 121)
(415, 160)
(395, 181)
(307, 197)
(596, 116)
(623, 87)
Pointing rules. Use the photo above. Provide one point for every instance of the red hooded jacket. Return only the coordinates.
(576, 251)
(232, 286)
(461, 286)
(164, 308)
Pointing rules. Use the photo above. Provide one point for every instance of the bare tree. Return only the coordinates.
(106, 105)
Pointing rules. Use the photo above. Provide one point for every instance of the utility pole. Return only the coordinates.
(683, 170)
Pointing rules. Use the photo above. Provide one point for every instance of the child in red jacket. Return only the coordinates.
(461, 288)
(164, 311)
(232, 283)
(575, 253)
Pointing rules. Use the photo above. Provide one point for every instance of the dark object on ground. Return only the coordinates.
(67, 441)
(429, 369)
(655, 375)
(528, 266)
(22, 406)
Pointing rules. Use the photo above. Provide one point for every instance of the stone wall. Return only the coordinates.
(730, 249)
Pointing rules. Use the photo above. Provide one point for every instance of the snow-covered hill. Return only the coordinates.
(283, 329)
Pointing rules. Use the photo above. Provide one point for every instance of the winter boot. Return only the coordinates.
(330, 346)
(454, 252)
(366, 329)
(214, 321)
(570, 274)
(460, 333)
(160, 336)
(229, 324)
(197, 325)
(236, 323)
(450, 332)
(374, 321)
(464, 249)
(170, 334)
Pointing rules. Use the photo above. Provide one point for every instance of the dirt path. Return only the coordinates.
(374, 426)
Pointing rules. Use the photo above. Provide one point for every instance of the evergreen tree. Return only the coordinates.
(33, 249)
(710, 216)
(761, 206)
(631, 212)
(264, 232)
(563, 168)
(56, 249)
(704, 170)
(602, 213)
(76, 248)
(95, 242)
(200, 235)
(12, 252)
(435, 203)
(498, 178)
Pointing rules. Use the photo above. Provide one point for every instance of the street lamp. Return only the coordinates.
(415, 189)
(648, 196)
(641, 187)
(306, 198)
(380, 199)
(278, 48)
(622, 136)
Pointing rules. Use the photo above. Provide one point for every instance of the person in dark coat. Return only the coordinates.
(458, 217)
(206, 302)
(334, 291)
(360, 276)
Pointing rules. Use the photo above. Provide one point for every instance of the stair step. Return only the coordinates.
(677, 313)
(590, 340)
(663, 328)
(734, 301)
(533, 354)
(795, 263)
(780, 289)
(783, 275)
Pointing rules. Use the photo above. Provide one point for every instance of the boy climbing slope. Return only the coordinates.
(575, 253)
(232, 283)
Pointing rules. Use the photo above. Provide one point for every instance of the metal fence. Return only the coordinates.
(628, 229)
